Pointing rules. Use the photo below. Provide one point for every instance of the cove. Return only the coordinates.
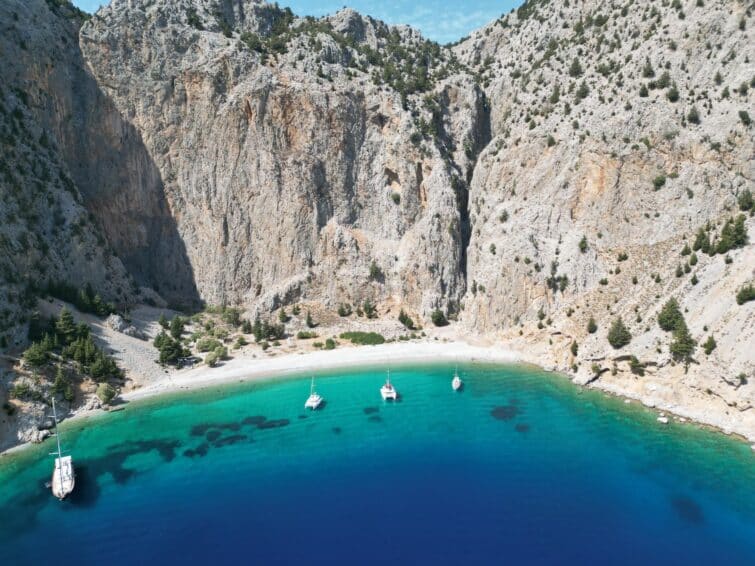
(519, 467)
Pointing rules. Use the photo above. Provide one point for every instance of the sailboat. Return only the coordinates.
(456, 382)
(387, 391)
(63, 477)
(314, 399)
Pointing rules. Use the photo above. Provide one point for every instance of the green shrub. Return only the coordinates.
(376, 274)
(344, 309)
(193, 19)
(694, 116)
(439, 318)
(106, 393)
(672, 94)
(583, 244)
(745, 200)
(709, 345)
(211, 359)
(370, 311)
(306, 334)
(330, 344)
(619, 335)
(659, 181)
(309, 321)
(591, 326)
(746, 294)
(363, 338)
(406, 320)
(208, 344)
(574, 348)
(636, 367)
(745, 117)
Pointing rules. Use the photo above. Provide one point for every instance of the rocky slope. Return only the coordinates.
(546, 170)
(617, 135)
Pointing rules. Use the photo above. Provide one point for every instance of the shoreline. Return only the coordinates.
(240, 369)
(244, 369)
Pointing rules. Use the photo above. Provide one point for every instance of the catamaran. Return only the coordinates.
(387, 391)
(314, 399)
(63, 477)
(456, 382)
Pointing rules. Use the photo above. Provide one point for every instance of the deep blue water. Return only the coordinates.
(519, 468)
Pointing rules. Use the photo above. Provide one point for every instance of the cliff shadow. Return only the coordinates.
(123, 188)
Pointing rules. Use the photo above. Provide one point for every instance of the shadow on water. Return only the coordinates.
(370, 410)
(687, 509)
(337, 430)
(522, 427)
(505, 412)
(21, 512)
(212, 433)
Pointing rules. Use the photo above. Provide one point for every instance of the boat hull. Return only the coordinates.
(388, 394)
(63, 477)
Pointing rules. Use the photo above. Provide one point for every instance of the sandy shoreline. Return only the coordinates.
(245, 368)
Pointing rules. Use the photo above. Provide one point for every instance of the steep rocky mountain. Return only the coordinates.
(573, 160)
(289, 148)
(619, 131)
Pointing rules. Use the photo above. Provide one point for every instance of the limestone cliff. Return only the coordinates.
(619, 131)
(290, 172)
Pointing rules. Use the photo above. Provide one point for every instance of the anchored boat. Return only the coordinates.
(63, 476)
(314, 400)
(387, 391)
(456, 382)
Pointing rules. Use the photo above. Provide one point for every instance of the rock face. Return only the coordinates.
(547, 170)
(617, 135)
(291, 174)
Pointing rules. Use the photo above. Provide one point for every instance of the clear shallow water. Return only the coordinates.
(519, 467)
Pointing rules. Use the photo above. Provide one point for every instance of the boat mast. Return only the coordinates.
(57, 436)
(312, 386)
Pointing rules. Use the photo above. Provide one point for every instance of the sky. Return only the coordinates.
(440, 20)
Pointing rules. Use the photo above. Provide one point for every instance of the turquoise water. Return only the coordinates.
(519, 467)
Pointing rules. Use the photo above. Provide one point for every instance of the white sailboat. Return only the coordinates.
(314, 400)
(387, 391)
(63, 477)
(456, 382)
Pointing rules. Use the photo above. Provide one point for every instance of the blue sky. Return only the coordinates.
(440, 20)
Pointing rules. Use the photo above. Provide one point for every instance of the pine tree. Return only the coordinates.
(669, 315)
(682, 345)
(619, 335)
(575, 70)
(176, 327)
(66, 327)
